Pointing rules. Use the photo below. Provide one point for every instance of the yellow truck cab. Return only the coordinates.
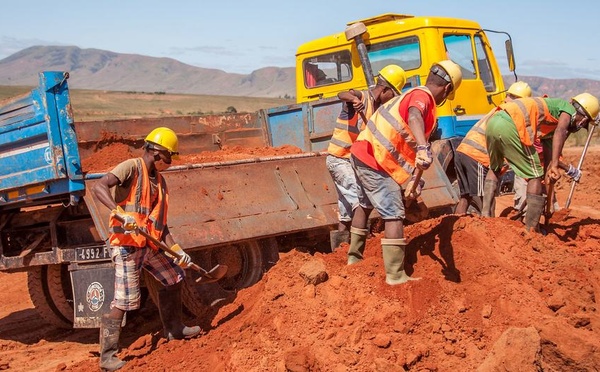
(331, 64)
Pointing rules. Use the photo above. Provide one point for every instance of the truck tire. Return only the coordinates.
(50, 292)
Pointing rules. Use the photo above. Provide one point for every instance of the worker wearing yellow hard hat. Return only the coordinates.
(357, 108)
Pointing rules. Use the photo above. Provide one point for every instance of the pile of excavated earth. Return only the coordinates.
(491, 297)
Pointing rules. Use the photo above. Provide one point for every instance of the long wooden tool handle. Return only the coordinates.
(417, 180)
(162, 245)
(592, 127)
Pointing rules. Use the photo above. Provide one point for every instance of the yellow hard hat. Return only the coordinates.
(588, 103)
(519, 89)
(164, 138)
(395, 76)
(453, 74)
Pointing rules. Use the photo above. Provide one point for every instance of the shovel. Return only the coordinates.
(213, 275)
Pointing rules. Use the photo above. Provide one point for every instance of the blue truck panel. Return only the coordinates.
(39, 155)
(317, 119)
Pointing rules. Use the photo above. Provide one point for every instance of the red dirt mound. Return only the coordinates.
(491, 297)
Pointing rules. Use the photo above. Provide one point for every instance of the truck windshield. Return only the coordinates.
(404, 52)
(460, 50)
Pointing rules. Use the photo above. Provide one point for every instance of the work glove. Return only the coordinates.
(574, 173)
(184, 260)
(129, 224)
(409, 193)
(424, 157)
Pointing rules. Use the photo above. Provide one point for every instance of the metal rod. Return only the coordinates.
(585, 148)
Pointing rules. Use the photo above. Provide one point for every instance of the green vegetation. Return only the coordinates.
(92, 105)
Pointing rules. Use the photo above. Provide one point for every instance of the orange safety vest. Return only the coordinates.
(347, 129)
(531, 117)
(138, 204)
(474, 144)
(394, 146)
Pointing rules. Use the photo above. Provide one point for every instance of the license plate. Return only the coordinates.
(92, 253)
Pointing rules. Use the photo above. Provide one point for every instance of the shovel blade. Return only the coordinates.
(213, 275)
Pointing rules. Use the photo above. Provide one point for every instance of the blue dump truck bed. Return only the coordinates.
(39, 157)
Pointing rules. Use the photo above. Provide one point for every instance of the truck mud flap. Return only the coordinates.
(212, 205)
(93, 291)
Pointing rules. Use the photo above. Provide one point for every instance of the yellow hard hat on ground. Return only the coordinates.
(520, 89)
(163, 138)
(395, 76)
(588, 103)
(453, 74)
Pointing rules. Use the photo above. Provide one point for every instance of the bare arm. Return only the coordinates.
(101, 190)
(416, 124)
(354, 97)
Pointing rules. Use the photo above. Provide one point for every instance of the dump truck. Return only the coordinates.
(238, 213)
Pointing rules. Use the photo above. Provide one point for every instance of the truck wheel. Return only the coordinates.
(50, 292)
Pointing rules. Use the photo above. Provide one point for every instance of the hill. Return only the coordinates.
(104, 70)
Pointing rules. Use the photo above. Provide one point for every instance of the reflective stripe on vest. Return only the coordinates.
(474, 144)
(139, 204)
(346, 130)
(393, 143)
(530, 115)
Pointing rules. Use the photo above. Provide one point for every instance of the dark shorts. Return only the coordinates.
(470, 174)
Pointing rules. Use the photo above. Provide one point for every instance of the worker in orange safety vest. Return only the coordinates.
(471, 160)
(356, 105)
(384, 157)
(511, 133)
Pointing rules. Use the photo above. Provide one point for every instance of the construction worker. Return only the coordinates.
(471, 160)
(389, 84)
(140, 199)
(384, 157)
(511, 133)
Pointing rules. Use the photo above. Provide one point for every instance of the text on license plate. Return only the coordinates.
(92, 253)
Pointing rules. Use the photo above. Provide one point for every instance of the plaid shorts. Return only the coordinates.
(129, 262)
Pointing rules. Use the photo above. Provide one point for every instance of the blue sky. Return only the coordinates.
(551, 38)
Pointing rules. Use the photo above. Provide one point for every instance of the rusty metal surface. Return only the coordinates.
(219, 205)
(437, 191)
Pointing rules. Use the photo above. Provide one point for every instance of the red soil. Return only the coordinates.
(491, 298)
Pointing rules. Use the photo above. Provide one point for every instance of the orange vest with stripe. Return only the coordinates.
(347, 129)
(139, 204)
(474, 144)
(394, 146)
(531, 117)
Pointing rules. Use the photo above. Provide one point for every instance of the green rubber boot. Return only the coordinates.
(535, 209)
(393, 260)
(489, 194)
(358, 240)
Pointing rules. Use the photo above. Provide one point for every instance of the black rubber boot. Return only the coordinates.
(535, 208)
(170, 308)
(489, 194)
(110, 330)
(337, 237)
(358, 240)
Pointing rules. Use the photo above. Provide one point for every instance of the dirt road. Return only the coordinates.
(491, 297)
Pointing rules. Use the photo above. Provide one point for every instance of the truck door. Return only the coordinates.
(480, 80)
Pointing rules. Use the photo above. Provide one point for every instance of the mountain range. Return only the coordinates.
(105, 70)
